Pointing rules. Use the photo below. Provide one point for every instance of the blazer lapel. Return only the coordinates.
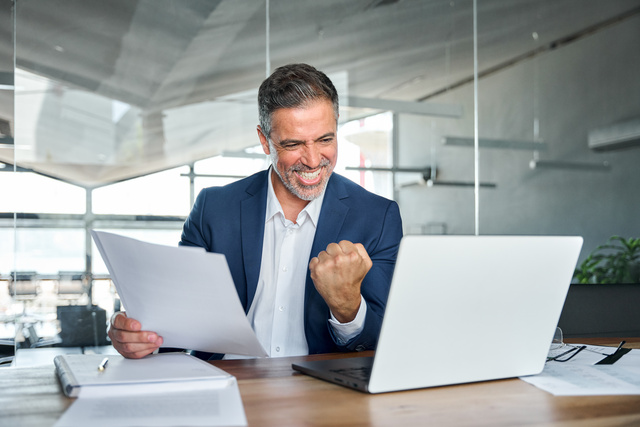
(332, 216)
(252, 214)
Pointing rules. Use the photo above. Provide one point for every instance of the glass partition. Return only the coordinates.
(559, 113)
(559, 126)
(7, 223)
(435, 181)
(125, 110)
(117, 109)
(390, 60)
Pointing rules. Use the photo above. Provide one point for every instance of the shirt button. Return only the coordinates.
(278, 349)
(284, 268)
(281, 308)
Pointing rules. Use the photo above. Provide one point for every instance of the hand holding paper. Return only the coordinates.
(128, 338)
(181, 296)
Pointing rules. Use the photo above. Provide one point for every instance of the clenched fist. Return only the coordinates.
(337, 274)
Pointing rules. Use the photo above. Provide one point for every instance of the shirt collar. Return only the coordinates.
(312, 210)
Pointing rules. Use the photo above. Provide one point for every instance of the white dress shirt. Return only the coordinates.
(277, 311)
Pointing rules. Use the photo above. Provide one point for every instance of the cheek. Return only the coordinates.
(286, 159)
(331, 153)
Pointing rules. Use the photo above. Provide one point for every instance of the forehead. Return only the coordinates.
(310, 121)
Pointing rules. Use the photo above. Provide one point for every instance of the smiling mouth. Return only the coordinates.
(309, 177)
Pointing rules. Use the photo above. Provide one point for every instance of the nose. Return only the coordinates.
(311, 155)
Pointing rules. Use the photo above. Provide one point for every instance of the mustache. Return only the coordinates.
(304, 168)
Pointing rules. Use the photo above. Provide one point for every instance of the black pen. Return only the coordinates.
(102, 366)
(619, 347)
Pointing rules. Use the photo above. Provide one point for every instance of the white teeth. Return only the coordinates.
(310, 175)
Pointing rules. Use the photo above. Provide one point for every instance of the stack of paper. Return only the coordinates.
(159, 390)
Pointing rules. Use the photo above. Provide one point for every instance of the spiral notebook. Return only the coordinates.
(169, 370)
(160, 390)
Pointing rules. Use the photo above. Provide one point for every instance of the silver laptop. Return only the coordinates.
(463, 309)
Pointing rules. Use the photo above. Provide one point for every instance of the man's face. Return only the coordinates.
(303, 148)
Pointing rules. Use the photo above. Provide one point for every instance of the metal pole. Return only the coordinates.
(88, 224)
(476, 145)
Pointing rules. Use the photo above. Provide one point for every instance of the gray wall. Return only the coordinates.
(592, 82)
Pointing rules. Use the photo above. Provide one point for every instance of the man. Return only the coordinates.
(311, 253)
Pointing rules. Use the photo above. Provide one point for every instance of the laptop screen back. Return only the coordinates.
(471, 308)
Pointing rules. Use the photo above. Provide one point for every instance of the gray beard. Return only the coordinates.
(293, 189)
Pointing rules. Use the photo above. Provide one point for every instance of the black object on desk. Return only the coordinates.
(82, 326)
(615, 356)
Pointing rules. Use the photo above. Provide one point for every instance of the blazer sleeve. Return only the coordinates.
(375, 286)
(192, 229)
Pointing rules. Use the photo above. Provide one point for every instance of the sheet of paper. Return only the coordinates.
(581, 377)
(184, 294)
(218, 404)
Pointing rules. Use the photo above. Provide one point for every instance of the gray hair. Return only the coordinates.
(292, 86)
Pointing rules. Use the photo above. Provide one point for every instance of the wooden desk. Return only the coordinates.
(274, 395)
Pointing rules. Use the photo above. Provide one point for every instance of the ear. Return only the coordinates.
(263, 141)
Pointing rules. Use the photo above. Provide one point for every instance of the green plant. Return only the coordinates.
(617, 261)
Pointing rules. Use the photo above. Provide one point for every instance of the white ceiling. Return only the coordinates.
(196, 65)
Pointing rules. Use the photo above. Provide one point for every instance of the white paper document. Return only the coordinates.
(184, 294)
(162, 372)
(158, 390)
(220, 406)
(580, 376)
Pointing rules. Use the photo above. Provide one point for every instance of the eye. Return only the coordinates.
(290, 145)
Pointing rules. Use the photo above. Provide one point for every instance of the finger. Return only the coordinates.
(126, 337)
(333, 249)
(347, 247)
(356, 253)
(136, 351)
(364, 254)
(135, 344)
(121, 321)
(114, 316)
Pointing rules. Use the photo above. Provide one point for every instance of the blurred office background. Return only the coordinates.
(114, 114)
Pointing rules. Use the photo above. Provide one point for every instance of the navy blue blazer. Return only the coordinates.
(230, 220)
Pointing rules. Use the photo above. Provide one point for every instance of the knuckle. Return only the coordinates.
(115, 334)
(118, 319)
(129, 324)
(128, 347)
